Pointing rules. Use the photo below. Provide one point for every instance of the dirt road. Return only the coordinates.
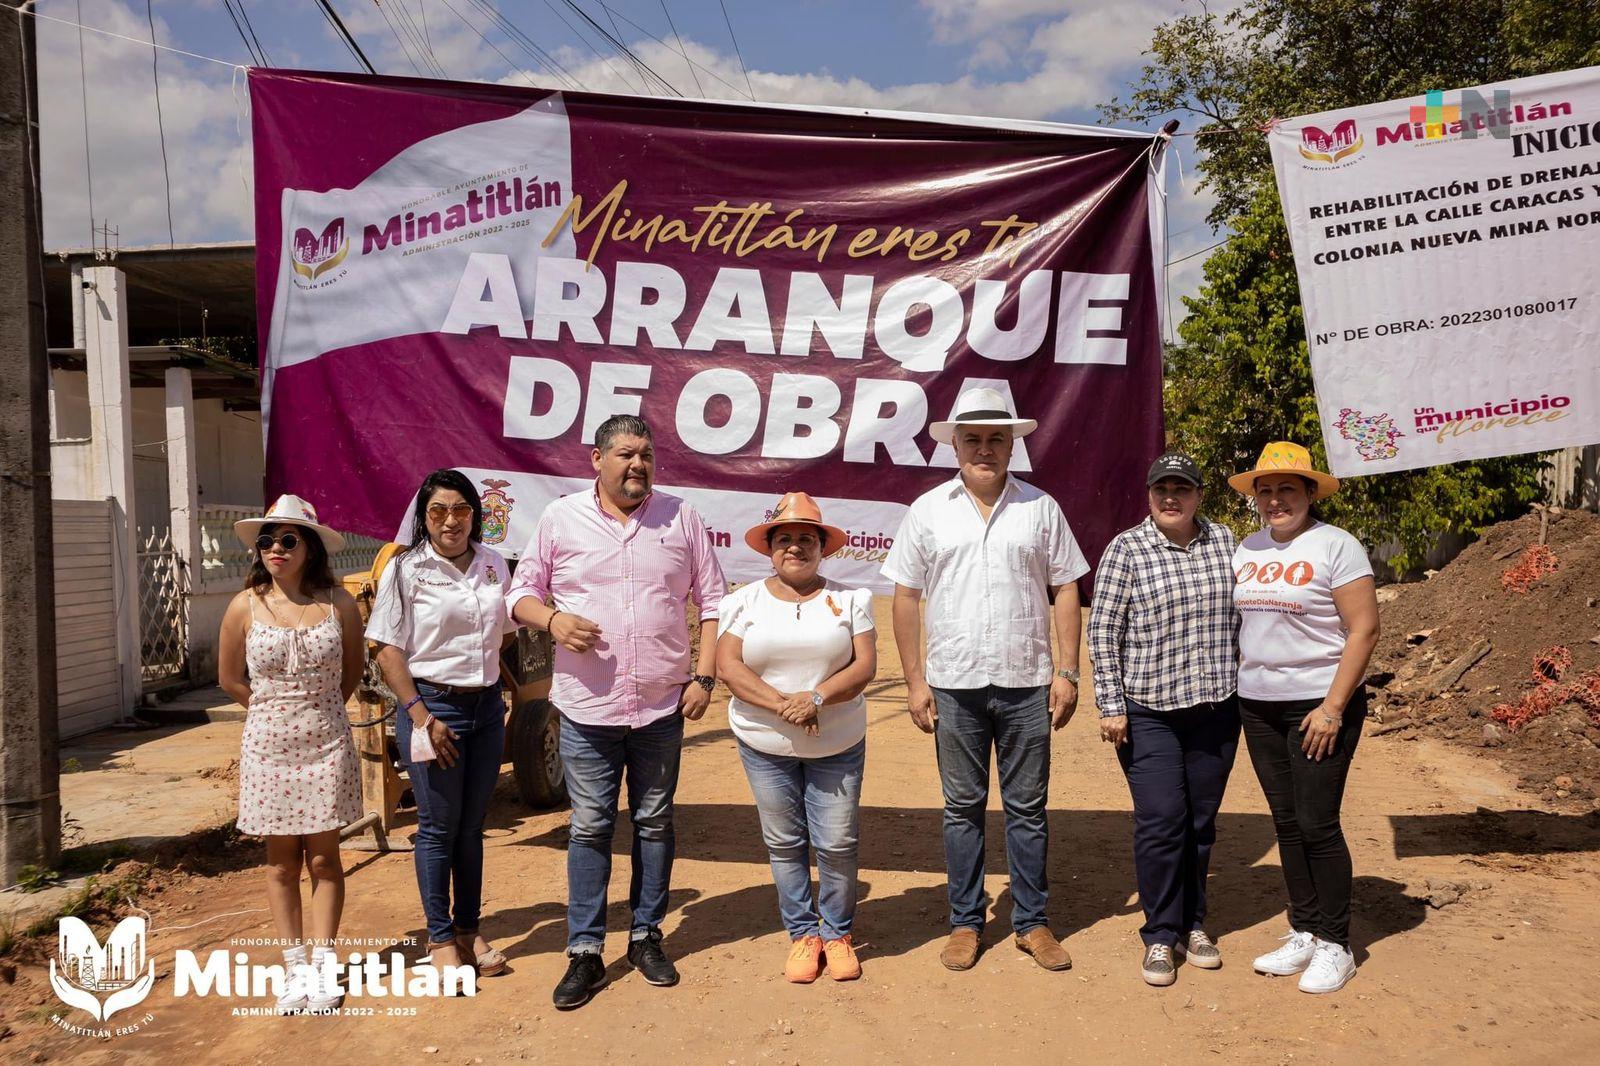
(1505, 969)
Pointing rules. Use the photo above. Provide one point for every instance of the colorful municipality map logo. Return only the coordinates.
(1320, 146)
(1374, 436)
(313, 256)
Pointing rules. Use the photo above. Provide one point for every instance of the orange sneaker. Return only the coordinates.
(842, 962)
(805, 960)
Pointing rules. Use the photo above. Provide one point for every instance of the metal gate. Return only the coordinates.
(163, 609)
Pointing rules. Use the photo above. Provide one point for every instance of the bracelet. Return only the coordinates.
(412, 702)
(550, 623)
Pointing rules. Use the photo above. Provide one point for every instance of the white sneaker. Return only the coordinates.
(293, 999)
(1289, 959)
(1331, 969)
(323, 993)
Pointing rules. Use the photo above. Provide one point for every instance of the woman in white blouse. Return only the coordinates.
(796, 650)
(440, 621)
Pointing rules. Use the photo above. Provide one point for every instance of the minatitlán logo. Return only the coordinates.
(101, 979)
(313, 256)
(1320, 146)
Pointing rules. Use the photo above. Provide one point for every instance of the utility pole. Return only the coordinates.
(30, 798)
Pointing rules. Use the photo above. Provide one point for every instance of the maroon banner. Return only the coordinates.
(477, 275)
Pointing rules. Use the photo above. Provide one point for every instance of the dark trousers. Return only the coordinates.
(1305, 797)
(452, 804)
(1177, 764)
(1014, 724)
(597, 759)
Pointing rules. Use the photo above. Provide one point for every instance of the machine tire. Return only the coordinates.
(536, 754)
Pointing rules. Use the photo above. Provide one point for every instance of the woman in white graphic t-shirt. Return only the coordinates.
(1308, 623)
(796, 650)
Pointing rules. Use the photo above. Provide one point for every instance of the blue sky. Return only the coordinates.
(1037, 59)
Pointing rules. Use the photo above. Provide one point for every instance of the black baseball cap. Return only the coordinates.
(1173, 464)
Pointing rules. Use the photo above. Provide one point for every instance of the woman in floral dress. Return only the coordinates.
(292, 652)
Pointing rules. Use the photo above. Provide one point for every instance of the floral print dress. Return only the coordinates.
(298, 771)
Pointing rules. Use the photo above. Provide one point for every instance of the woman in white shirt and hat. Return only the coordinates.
(440, 621)
(290, 651)
(1308, 610)
(796, 650)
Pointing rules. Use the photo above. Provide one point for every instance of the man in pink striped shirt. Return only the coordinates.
(618, 564)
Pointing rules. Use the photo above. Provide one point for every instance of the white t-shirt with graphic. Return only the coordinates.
(796, 654)
(1290, 635)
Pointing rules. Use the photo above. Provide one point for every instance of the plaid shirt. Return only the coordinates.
(1163, 630)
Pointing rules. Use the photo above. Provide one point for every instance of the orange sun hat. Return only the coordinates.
(1285, 457)
(796, 508)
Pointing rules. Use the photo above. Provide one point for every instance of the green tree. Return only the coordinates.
(1240, 375)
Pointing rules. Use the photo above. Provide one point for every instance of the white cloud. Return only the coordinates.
(201, 119)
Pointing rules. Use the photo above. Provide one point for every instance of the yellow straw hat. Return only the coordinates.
(1285, 457)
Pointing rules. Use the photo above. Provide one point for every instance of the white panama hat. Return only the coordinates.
(980, 407)
(288, 510)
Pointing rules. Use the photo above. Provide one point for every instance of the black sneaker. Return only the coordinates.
(586, 975)
(647, 957)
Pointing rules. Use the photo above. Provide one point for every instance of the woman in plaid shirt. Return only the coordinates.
(1164, 639)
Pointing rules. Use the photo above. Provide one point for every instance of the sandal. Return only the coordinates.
(491, 963)
(456, 944)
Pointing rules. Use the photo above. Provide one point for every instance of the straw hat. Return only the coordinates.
(288, 510)
(796, 508)
(1285, 457)
(981, 407)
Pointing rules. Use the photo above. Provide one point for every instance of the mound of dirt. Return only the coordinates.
(1465, 642)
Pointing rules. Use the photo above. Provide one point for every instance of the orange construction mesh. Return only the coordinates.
(1535, 563)
(1548, 668)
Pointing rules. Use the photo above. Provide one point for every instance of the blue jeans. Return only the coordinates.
(805, 805)
(451, 805)
(1177, 763)
(596, 759)
(1015, 723)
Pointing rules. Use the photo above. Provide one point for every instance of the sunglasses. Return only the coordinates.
(288, 541)
(440, 511)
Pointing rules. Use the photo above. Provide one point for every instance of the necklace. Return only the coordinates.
(276, 617)
(803, 596)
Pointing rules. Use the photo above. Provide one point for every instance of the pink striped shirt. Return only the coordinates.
(633, 580)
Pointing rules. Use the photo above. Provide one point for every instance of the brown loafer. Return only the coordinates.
(1046, 950)
(961, 950)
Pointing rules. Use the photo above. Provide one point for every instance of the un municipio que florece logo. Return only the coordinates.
(101, 979)
(1374, 435)
(1320, 146)
(312, 255)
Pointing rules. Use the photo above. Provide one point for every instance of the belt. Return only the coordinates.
(453, 690)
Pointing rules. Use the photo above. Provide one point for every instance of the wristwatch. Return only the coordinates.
(707, 683)
(1069, 674)
(816, 699)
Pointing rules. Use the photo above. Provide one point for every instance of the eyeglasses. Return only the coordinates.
(440, 511)
(288, 541)
(804, 540)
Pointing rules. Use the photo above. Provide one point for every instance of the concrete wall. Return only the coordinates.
(228, 449)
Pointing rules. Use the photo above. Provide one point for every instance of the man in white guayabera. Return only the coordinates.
(990, 554)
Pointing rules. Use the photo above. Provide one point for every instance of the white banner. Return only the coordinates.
(1448, 250)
